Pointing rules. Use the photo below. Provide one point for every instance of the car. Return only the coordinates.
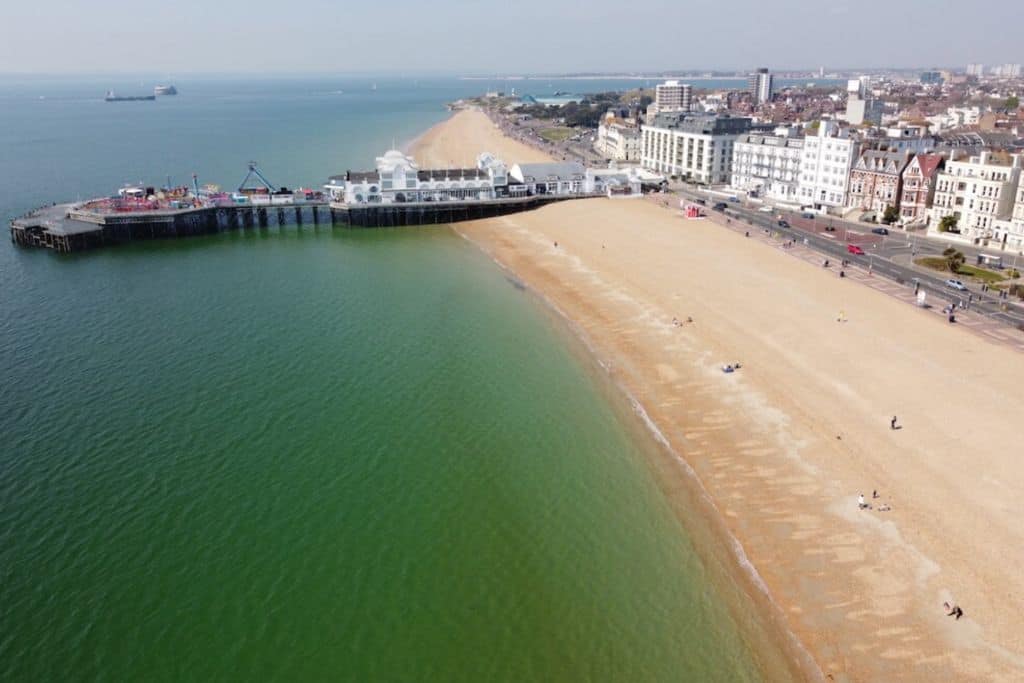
(766, 209)
(956, 284)
(880, 231)
(808, 214)
(830, 228)
(783, 223)
(700, 201)
(854, 249)
(720, 206)
(734, 200)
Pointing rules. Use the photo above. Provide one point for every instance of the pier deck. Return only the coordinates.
(68, 227)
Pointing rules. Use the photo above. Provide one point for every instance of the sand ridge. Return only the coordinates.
(784, 445)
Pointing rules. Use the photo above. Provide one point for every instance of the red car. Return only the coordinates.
(854, 249)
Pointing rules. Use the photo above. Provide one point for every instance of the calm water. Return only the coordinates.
(310, 454)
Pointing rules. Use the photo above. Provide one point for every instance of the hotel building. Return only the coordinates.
(617, 140)
(696, 147)
(768, 165)
(825, 166)
(981, 191)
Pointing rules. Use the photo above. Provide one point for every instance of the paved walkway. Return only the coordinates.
(978, 324)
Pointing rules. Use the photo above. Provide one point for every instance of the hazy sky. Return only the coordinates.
(470, 36)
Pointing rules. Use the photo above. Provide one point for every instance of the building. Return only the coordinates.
(876, 180)
(981, 192)
(976, 70)
(768, 165)
(558, 178)
(860, 103)
(760, 85)
(861, 106)
(614, 182)
(931, 77)
(618, 141)
(697, 147)
(397, 179)
(903, 138)
(673, 96)
(825, 166)
(919, 187)
(1007, 71)
(1010, 233)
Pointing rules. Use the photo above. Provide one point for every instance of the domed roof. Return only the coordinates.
(394, 159)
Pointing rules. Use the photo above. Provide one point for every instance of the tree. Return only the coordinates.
(948, 223)
(954, 259)
(1012, 102)
(891, 215)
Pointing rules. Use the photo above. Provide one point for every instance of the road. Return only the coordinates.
(878, 257)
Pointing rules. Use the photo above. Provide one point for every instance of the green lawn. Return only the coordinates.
(988, 276)
(933, 262)
(557, 134)
(939, 263)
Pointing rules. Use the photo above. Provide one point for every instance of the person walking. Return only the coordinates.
(892, 422)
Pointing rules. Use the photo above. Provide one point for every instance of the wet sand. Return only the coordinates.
(783, 446)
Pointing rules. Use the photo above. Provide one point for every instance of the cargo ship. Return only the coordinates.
(111, 97)
(165, 90)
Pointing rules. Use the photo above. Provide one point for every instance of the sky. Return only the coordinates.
(478, 37)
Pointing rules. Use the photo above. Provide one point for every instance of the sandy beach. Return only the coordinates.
(783, 446)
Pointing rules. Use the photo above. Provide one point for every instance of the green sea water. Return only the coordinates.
(322, 454)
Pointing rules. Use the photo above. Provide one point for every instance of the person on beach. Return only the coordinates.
(953, 610)
(861, 503)
(892, 422)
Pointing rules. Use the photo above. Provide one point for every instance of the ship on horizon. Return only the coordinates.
(165, 90)
(112, 97)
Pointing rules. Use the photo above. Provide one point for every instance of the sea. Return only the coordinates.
(314, 453)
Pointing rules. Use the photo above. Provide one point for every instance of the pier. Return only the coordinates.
(68, 227)
(396, 193)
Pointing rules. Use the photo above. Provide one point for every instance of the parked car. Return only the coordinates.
(734, 199)
(880, 231)
(720, 206)
(956, 284)
(808, 214)
(830, 228)
(854, 249)
(783, 223)
(766, 209)
(700, 201)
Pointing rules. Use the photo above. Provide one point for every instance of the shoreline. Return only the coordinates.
(732, 575)
(861, 592)
(776, 649)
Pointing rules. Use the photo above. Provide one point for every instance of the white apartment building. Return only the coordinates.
(673, 96)
(696, 147)
(768, 164)
(617, 141)
(1009, 233)
(825, 166)
(981, 191)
